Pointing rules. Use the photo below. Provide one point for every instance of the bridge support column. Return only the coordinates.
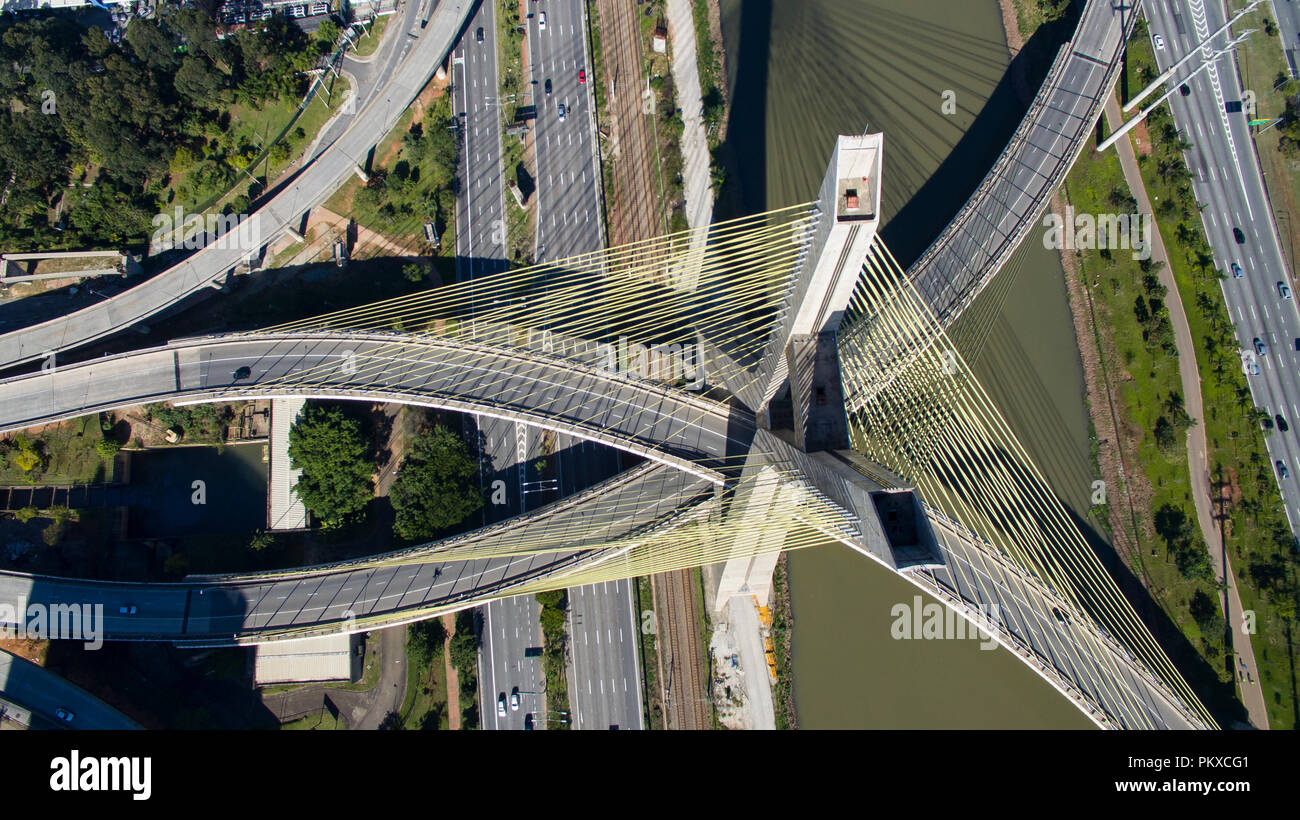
(756, 551)
(361, 174)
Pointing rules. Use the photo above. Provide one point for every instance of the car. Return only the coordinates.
(514, 699)
(1283, 290)
(242, 373)
(1260, 347)
(1184, 89)
(548, 86)
(1282, 471)
(582, 75)
(478, 35)
(1252, 368)
(541, 21)
(128, 609)
(501, 705)
(561, 112)
(1297, 345)
(1239, 236)
(1281, 423)
(1159, 41)
(1061, 618)
(64, 714)
(1236, 271)
(528, 722)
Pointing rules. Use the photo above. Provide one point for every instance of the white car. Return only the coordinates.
(1159, 41)
(501, 705)
(541, 21)
(514, 699)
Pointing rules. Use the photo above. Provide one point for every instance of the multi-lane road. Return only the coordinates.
(1238, 223)
(605, 681)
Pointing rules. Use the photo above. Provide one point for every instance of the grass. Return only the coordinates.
(368, 42)
(69, 456)
(1258, 536)
(706, 637)
(652, 690)
(425, 703)
(323, 720)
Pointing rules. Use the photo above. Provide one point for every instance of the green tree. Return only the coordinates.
(336, 466)
(436, 486)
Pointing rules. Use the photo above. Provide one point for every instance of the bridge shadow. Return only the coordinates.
(1219, 697)
(948, 189)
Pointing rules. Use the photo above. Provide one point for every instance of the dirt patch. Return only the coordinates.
(1142, 139)
(33, 651)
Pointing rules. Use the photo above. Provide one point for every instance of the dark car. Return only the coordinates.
(1184, 89)
(242, 373)
(1239, 236)
(1281, 469)
(528, 722)
(1281, 423)
(548, 86)
(1236, 271)
(1260, 347)
(478, 35)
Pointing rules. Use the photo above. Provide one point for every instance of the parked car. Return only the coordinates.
(1282, 471)
(1236, 271)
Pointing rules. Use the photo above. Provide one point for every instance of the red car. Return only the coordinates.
(582, 75)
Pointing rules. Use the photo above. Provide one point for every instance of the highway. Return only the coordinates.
(1287, 16)
(330, 168)
(568, 177)
(1228, 183)
(44, 693)
(605, 682)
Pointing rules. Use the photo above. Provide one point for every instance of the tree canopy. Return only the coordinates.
(436, 487)
(335, 461)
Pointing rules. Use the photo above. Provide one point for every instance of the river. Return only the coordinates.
(800, 72)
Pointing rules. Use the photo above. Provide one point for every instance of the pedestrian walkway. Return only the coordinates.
(284, 510)
(697, 183)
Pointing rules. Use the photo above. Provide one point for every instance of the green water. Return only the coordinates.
(800, 72)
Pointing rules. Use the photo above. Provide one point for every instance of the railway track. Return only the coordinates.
(683, 672)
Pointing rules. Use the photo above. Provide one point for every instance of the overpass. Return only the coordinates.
(209, 265)
(1006, 205)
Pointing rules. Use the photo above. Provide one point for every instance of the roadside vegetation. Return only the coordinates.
(1131, 319)
(424, 706)
(96, 138)
(653, 688)
(73, 452)
(463, 651)
(555, 606)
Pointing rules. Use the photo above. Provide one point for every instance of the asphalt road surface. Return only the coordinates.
(1238, 223)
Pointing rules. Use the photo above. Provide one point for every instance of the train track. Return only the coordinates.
(683, 671)
(633, 202)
